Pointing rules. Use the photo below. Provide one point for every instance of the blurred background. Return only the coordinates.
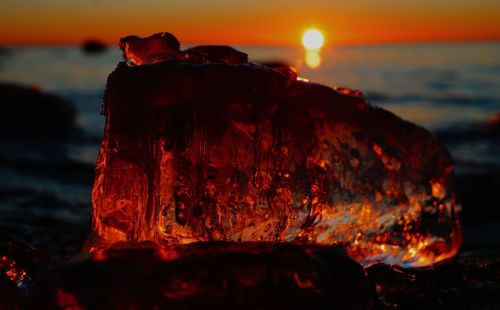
(435, 63)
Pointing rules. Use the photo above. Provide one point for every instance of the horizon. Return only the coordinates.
(256, 45)
(53, 22)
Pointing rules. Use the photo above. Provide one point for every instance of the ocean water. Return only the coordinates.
(443, 87)
(451, 89)
(435, 85)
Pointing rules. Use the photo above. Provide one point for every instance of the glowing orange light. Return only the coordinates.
(313, 39)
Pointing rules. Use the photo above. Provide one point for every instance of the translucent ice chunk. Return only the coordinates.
(159, 47)
(240, 152)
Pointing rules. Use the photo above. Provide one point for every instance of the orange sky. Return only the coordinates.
(251, 22)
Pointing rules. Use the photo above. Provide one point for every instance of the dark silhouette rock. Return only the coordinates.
(211, 276)
(93, 46)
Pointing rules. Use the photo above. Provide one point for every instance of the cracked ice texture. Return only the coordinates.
(201, 145)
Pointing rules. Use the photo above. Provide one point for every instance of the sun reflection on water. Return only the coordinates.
(313, 41)
(313, 59)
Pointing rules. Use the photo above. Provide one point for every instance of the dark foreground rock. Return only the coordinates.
(470, 281)
(216, 276)
(252, 276)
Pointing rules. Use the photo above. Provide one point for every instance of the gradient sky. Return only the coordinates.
(251, 22)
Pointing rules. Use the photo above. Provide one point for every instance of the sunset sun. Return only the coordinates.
(312, 39)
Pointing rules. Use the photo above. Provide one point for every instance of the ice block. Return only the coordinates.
(202, 145)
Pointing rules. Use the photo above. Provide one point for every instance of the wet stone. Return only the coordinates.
(212, 275)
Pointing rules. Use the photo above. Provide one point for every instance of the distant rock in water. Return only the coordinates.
(93, 46)
(29, 112)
